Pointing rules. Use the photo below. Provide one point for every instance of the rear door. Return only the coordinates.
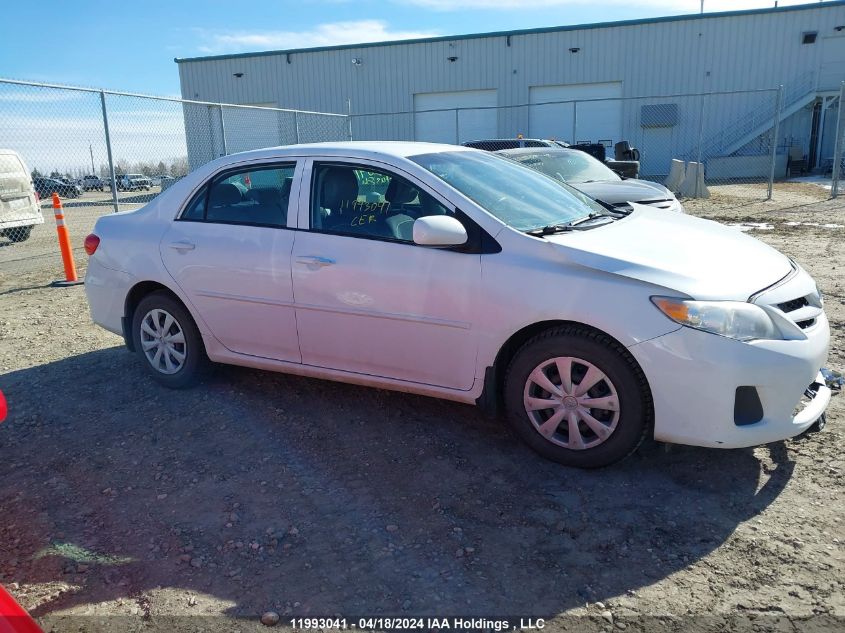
(230, 250)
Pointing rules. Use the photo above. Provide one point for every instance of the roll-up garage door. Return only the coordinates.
(597, 115)
(455, 117)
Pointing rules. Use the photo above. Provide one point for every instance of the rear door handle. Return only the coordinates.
(314, 261)
(182, 246)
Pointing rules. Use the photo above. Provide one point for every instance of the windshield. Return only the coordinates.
(567, 166)
(519, 197)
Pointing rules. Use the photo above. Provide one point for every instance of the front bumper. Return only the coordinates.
(694, 377)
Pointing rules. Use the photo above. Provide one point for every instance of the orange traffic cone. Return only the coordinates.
(71, 278)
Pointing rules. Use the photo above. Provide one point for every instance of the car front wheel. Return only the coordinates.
(168, 341)
(577, 397)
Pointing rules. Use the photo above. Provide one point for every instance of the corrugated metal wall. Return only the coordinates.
(756, 50)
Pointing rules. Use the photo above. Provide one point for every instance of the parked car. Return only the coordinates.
(75, 184)
(133, 182)
(594, 178)
(158, 178)
(496, 144)
(46, 187)
(625, 168)
(465, 276)
(19, 208)
(166, 181)
(93, 183)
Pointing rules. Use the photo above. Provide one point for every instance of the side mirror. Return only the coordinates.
(439, 230)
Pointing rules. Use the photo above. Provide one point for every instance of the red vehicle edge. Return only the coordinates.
(13, 618)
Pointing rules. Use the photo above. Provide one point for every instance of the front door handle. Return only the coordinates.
(314, 262)
(182, 246)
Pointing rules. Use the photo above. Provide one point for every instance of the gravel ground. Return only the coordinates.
(125, 506)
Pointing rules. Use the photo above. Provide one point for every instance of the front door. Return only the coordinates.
(368, 300)
(230, 252)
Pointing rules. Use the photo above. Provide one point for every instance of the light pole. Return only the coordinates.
(91, 150)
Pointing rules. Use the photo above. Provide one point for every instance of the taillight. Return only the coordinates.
(91, 244)
(37, 197)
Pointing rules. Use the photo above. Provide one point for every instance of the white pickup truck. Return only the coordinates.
(19, 208)
(134, 182)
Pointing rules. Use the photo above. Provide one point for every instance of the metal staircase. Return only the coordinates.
(757, 121)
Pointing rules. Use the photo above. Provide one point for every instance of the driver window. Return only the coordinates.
(366, 202)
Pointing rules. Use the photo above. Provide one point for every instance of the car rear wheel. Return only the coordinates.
(18, 234)
(577, 397)
(168, 341)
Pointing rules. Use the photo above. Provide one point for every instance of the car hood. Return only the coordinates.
(699, 258)
(616, 191)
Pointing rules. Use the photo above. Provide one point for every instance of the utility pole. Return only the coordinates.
(91, 150)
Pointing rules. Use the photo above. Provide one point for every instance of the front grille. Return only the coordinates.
(800, 310)
(795, 304)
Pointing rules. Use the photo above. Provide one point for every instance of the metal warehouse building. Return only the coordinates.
(704, 83)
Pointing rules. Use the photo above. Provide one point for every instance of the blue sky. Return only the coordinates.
(131, 46)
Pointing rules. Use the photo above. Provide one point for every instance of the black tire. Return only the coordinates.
(18, 234)
(635, 410)
(196, 362)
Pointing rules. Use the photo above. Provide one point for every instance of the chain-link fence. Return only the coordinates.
(730, 147)
(837, 162)
(105, 151)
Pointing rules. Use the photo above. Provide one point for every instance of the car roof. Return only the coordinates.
(537, 150)
(514, 139)
(359, 149)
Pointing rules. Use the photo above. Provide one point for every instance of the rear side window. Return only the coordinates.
(256, 196)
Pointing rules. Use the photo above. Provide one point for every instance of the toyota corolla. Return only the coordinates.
(449, 272)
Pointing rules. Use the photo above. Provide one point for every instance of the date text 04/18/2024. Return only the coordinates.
(424, 624)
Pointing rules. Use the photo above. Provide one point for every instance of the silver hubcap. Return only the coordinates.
(163, 341)
(571, 403)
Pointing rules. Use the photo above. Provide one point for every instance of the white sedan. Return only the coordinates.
(453, 273)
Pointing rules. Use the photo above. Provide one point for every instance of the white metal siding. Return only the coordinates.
(832, 67)
(683, 56)
(718, 53)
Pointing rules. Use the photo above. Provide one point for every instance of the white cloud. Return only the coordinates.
(675, 6)
(329, 34)
(35, 95)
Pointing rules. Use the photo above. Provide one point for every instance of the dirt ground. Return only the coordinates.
(128, 507)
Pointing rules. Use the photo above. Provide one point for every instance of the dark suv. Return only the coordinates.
(496, 144)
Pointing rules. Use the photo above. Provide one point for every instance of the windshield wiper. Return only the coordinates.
(551, 229)
(572, 225)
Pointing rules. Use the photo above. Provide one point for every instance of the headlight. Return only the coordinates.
(734, 319)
